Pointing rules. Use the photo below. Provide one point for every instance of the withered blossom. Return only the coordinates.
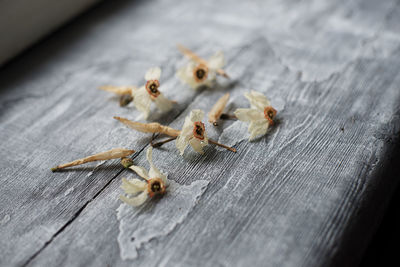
(138, 191)
(193, 132)
(198, 71)
(260, 114)
(143, 97)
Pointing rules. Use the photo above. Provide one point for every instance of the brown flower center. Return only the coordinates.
(152, 87)
(155, 186)
(200, 73)
(269, 114)
(198, 130)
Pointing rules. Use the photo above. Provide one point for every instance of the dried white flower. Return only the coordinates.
(193, 133)
(148, 93)
(201, 72)
(138, 191)
(260, 114)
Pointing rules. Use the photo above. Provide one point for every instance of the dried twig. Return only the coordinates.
(221, 145)
(158, 144)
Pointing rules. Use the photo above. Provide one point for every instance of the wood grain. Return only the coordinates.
(310, 193)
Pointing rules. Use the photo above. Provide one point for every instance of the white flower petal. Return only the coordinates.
(154, 171)
(197, 145)
(187, 128)
(196, 115)
(163, 103)
(217, 61)
(153, 74)
(247, 114)
(186, 133)
(133, 186)
(181, 144)
(140, 171)
(142, 101)
(185, 74)
(136, 201)
(205, 140)
(257, 129)
(257, 100)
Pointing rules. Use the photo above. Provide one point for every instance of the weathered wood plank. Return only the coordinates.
(293, 198)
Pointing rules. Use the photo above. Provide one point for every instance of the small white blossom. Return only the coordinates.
(198, 74)
(138, 191)
(260, 114)
(148, 93)
(193, 133)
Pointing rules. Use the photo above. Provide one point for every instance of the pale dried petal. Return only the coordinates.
(142, 101)
(185, 74)
(133, 186)
(257, 129)
(217, 61)
(181, 143)
(197, 145)
(257, 100)
(187, 132)
(140, 171)
(196, 115)
(248, 114)
(153, 74)
(187, 128)
(135, 201)
(163, 103)
(154, 171)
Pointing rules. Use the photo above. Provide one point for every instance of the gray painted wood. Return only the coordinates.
(310, 193)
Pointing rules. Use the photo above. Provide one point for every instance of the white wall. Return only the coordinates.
(23, 22)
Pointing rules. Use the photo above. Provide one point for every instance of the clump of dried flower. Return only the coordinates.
(193, 132)
(110, 154)
(145, 95)
(138, 191)
(260, 114)
(199, 71)
(216, 111)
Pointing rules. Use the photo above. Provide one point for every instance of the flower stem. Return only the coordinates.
(162, 142)
(226, 116)
(221, 145)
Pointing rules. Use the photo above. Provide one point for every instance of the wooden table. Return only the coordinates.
(310, 193)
